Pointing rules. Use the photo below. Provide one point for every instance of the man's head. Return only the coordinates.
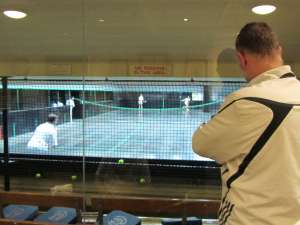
(258, 49)
(52, 118)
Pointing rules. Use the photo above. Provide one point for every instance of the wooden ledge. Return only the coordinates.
(158, 206)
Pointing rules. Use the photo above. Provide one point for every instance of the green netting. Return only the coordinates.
(146, 109)
(109, 121)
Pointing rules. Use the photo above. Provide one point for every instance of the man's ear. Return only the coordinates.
(280, 49)
(242, 59)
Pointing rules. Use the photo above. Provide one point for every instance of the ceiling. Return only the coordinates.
(137, 29)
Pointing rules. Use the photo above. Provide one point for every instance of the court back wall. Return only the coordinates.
(198, 68)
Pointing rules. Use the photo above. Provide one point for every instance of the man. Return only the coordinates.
(70, 102)
(186, 102)
(45, 135)
(255, 136)
(141, 101)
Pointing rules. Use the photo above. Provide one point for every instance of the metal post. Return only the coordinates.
(49, 99)
(18, 99)
(206, 97)
(5, 134)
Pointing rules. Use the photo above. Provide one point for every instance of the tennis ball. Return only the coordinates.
(142, 180)
(121, 161)
(73, 177)
(38, 175)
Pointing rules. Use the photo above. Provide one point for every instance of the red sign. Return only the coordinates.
(149, 70)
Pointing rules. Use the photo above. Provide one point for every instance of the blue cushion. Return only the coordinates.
(20, 212)
(178, 221)
(59, 215)
(118, 217)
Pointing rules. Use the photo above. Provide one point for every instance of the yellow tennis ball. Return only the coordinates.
(142, 180)
(121, 161)
(38, 175)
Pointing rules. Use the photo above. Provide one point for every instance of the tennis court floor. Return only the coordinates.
(125, 134)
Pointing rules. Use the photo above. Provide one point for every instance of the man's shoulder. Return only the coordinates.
(261, 90)
(47, 125)
(43, 124)
(241, 93)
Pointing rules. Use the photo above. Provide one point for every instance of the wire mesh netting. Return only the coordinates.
(111, 119)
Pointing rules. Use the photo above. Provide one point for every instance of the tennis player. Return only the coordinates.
(186, 102)
(70, 102)
(141, 101)
(45, 135)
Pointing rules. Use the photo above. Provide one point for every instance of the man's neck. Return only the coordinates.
(261, 65)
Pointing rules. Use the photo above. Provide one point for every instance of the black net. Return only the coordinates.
(141, 120)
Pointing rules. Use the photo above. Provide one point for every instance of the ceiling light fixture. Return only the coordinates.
(186, 19)
(263, 9)
(15, 14)
(101, 20)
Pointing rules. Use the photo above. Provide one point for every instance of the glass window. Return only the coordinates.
(129, 81)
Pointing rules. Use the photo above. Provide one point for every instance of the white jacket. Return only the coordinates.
(256, 138)
(44, 137)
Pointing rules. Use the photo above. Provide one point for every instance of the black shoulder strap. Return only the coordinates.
(287, 75)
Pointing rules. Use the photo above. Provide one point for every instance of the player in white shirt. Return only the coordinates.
(141, 101)
(186, 102)
(45, 135)
(70, 102)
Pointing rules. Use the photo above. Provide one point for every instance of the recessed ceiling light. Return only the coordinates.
(101, 20)
(14, 14)
(263, 9)
(186, 19)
